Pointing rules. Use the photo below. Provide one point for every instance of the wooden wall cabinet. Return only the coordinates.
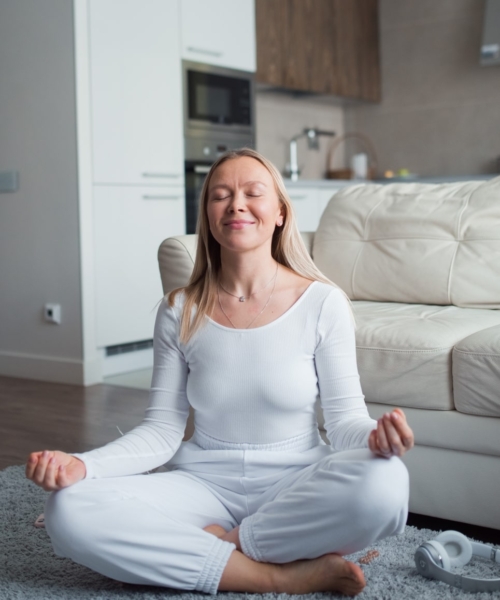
(321, 46)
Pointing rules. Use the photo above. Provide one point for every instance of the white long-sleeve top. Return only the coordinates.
(247, 385)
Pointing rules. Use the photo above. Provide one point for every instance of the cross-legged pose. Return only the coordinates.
(255, 501)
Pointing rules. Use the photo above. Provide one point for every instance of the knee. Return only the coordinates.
(377, 489)
(63, 521)
(384, 492)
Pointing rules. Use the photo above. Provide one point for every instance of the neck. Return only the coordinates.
(243, 274)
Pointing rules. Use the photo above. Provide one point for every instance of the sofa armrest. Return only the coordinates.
(176, 260)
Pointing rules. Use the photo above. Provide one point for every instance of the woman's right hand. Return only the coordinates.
(53, 470)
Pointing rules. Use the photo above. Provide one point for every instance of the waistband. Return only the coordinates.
(299, 443)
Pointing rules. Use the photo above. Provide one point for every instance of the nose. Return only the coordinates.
(237, 203)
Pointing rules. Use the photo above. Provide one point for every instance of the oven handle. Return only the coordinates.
(202, 169)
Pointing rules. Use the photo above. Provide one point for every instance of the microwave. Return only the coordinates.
(217, 101)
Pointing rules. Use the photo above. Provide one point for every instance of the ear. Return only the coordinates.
(281, 218)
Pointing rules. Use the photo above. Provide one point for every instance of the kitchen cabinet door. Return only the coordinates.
(219, 32)
(129, 225)
(305, 206)
(136, 92)
(324, 46)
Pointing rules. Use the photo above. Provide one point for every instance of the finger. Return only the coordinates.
(372, 441)
(404, 430)
(382, 441)
(31, 464)
(62, 477)
(400, 413)
(41, 467)
(393, 436)
(49, 482)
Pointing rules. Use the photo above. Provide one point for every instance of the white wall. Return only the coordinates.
(39, 244)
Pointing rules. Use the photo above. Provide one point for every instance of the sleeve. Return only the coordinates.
(157, 438)
(347, 421)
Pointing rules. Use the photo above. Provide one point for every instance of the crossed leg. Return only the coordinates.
(328, 573)
(336, 506)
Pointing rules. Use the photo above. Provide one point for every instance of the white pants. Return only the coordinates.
(294, 499)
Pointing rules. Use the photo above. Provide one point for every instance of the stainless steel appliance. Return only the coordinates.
(219, 115)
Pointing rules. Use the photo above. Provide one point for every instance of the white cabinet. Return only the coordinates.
(310, 198)
(219, 32)
(130, 222)
(305, 206)
(136, 92)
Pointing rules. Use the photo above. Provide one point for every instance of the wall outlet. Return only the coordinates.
(52, 313)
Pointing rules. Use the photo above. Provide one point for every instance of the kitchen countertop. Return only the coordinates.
(333, 183)
(320, 183)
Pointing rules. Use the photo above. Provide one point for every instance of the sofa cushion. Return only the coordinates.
(414, 242)
(476, 373)
(404, 351)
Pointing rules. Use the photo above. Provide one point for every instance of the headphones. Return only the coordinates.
(452, 549)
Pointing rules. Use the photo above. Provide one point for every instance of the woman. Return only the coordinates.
(255, 501)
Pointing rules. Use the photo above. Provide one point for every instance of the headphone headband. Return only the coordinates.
(432, 561)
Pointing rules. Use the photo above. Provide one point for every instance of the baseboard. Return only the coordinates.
(50, 368)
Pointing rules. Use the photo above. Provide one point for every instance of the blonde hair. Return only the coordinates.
(287, 248)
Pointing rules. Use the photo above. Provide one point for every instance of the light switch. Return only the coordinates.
(9, 181)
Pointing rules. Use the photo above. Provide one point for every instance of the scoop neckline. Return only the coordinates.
(280, 318)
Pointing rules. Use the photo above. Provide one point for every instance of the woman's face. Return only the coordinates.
(243, 207)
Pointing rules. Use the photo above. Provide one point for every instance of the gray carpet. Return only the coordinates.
(30, 570)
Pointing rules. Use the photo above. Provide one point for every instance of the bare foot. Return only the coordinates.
(216, 530)
(327, 573)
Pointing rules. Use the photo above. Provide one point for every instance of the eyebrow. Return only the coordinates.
(223, 185)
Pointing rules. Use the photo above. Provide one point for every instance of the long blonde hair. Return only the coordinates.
(287, 248)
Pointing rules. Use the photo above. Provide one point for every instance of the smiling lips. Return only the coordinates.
(238, 224)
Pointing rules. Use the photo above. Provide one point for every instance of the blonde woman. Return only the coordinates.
(255, 501)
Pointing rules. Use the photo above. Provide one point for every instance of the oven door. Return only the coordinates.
(195, 173)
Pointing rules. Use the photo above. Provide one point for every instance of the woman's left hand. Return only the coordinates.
(393, 436)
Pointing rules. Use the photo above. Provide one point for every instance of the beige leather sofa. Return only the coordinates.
(421, 264)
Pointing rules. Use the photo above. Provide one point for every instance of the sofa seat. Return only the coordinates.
(405, 355)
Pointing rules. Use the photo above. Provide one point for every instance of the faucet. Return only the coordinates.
(312, 135)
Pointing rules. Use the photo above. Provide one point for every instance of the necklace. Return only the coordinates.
(243, 298)
(265, 305)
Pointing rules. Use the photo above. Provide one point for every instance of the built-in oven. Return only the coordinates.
(219, 115)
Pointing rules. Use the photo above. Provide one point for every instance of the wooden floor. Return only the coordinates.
(35, 415)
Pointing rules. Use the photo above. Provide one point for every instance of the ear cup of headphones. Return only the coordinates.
(442, 553)
(457, 547)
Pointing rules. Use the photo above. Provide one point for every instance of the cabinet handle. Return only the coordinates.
(203, 51)
(161, 197)
(167, 175)
(298, 197)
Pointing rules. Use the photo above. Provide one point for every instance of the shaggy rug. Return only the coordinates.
(30, 570)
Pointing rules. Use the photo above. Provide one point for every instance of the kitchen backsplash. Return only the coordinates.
(281, 116)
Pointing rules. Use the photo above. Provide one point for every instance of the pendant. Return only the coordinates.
(242, 298)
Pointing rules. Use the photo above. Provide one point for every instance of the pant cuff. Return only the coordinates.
(215, 563)
(247, 541)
